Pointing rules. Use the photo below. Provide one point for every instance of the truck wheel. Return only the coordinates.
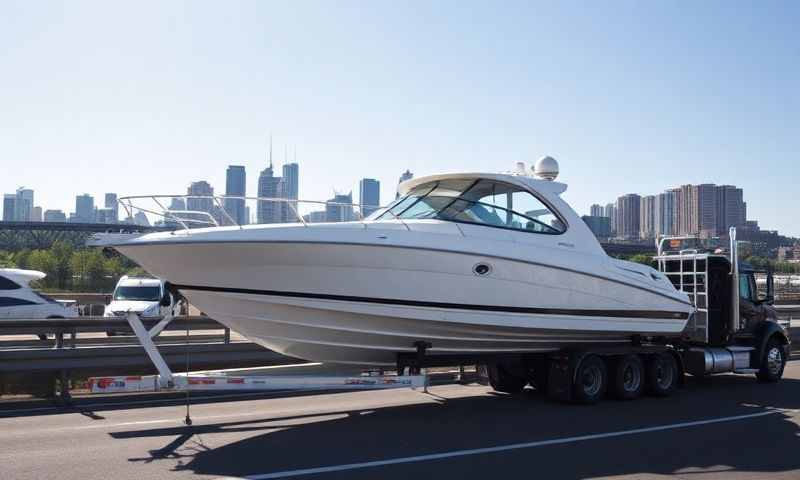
(502, 381)
(628, 377)
(773, 363)
(662, 375)
(591, 380)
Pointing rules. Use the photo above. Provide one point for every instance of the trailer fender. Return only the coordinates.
(768, 331)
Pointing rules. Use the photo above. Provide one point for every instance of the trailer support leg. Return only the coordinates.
(152, 351)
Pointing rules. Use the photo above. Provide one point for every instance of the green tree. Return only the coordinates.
(7, 259)
(62, 252)
(88, 269)
(44, 261)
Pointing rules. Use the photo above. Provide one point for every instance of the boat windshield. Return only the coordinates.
(481, 201)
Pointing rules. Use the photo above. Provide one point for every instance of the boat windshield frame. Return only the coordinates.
(424, 191)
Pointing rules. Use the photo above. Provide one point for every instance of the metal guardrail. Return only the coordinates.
(51, 364)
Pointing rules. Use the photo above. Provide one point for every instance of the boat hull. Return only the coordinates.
(364, 304)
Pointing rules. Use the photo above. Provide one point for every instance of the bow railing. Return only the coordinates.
(200, 211)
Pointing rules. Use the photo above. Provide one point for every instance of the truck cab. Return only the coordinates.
(733, 328)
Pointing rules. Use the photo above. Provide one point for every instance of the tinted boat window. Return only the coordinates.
(484, 202)
(6, 284)
(14, 302)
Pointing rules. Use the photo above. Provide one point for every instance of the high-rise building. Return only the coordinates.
(369, 195)
(54, 216)
(407, 175)
(599, 225)
(290, 189)
(24, 205)
(105, 215)
(647, 217)
(9, 207)
(235, 186)
(664, 213)
(339, 208)
(111, 202)
(628, 216)
(706, 209)
(177, 204)
(84, 209)
(730, 208)
(596, 211)
(687, 210)
(610, 211)
(36, 215)
(268, 187)
(199, 199)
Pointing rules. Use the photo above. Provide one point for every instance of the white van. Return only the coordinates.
(145, 296)
(19, 301)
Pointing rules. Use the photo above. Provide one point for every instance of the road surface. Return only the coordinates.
(728, 427)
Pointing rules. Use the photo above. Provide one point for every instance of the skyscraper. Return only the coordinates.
(628, 216)
(36, 216)
(610, 211)
(290, 190)
(706, 209)
(407, 175)
(664, 213)
(198, 200)
(84, 209)
(24, 205)
(339, 208)
(111, 203)
(647, 217)
(268, 187)
(235, 185)
(730, 208)
(369, 195)
(596, 211)
(9, 207)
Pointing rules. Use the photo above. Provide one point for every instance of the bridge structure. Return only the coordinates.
(42, 235)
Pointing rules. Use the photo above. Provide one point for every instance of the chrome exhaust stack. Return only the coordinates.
(734, 326)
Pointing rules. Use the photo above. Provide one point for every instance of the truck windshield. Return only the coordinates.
(142, 294)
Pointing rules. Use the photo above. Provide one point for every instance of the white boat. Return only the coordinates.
(470, 263)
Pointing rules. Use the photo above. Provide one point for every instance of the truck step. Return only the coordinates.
(746, 370)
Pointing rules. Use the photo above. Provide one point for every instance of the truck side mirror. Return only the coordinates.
(166, 301)
(770, 288)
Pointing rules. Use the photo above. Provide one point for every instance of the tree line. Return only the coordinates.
(72, 269)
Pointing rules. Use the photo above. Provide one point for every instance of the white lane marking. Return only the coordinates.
(503, 448)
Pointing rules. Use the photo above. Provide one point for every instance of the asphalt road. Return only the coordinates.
(727, 427)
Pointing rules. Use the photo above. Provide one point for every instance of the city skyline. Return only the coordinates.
(704, 93)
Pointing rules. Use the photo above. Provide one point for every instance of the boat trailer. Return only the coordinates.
(166, 380)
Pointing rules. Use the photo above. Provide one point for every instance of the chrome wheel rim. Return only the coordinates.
(774, 361)
(592, 380)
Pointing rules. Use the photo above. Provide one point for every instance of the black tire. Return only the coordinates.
(628, 377)
(502, 381)
(662, 375)
(772, 363)
(591, 380)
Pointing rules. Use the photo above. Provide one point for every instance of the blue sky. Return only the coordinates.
(144, 97)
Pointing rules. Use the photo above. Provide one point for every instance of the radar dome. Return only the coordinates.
(546, 168)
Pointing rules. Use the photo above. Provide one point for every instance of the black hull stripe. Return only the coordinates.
(649, 314)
